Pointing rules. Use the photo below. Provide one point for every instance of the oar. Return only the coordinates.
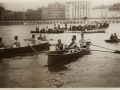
(118, 52)
(105, 51)
(32, 48)
(2, 51)
(104, 47)
(10, 45)
(115, 51)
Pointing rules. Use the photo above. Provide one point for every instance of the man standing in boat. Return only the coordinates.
(33, 40)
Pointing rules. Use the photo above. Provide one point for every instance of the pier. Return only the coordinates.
(78, 21)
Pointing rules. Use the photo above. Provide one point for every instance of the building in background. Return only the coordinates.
(100, 12)
(45, 15)
(1, 15)
(113, 14)
(31, 14)
(56, 11)
(2, 12)
(39, 13)
(77, 10)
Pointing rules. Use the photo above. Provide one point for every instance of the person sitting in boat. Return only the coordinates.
(59, 45)
(17, 43)
(82, 41)
(33, 40)
(2, 44)
(44, 39)
(111, 37)
(40, 37)
(73, 46)
(74, 37)
(115, 36)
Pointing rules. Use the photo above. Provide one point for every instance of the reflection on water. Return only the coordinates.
(99, 69)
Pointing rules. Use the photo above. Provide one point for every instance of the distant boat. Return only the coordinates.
(112, 41)
(89, 31)
(50, 32)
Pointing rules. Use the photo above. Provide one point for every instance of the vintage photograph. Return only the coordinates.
(59, 44)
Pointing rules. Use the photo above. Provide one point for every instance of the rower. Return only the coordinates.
(2, 44)
(59, 45)
(17, 43)
(44, 39)
(74, 37)
(33, 40)
(111, 37)
(40, 37)
(82, 41)
(73, 46)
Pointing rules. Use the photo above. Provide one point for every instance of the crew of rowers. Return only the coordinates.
(114, 37)
(73, 45)
(17, 44)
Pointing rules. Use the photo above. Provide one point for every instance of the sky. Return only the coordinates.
(23, 5)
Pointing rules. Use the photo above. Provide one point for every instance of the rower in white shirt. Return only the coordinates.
(33, 40)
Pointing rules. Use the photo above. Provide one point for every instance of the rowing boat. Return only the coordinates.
(56, 56)
(112, 41)
(103, 31)
(51, 32)
(4, 53)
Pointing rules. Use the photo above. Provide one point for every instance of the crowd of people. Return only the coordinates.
(114, 37)
(17, 43)
(89, 26)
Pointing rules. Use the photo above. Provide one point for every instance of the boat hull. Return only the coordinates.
(93, 31)
(54, 32)
(4, 53)
(112, 41)
(57, 56)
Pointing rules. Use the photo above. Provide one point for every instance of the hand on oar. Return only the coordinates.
(31, 47)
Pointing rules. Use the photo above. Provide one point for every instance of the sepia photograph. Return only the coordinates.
(59, 44)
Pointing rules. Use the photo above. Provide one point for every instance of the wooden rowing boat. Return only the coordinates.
(112, 41)
(56, 56)
(4, 53)
(103, 31)
(51, 32)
